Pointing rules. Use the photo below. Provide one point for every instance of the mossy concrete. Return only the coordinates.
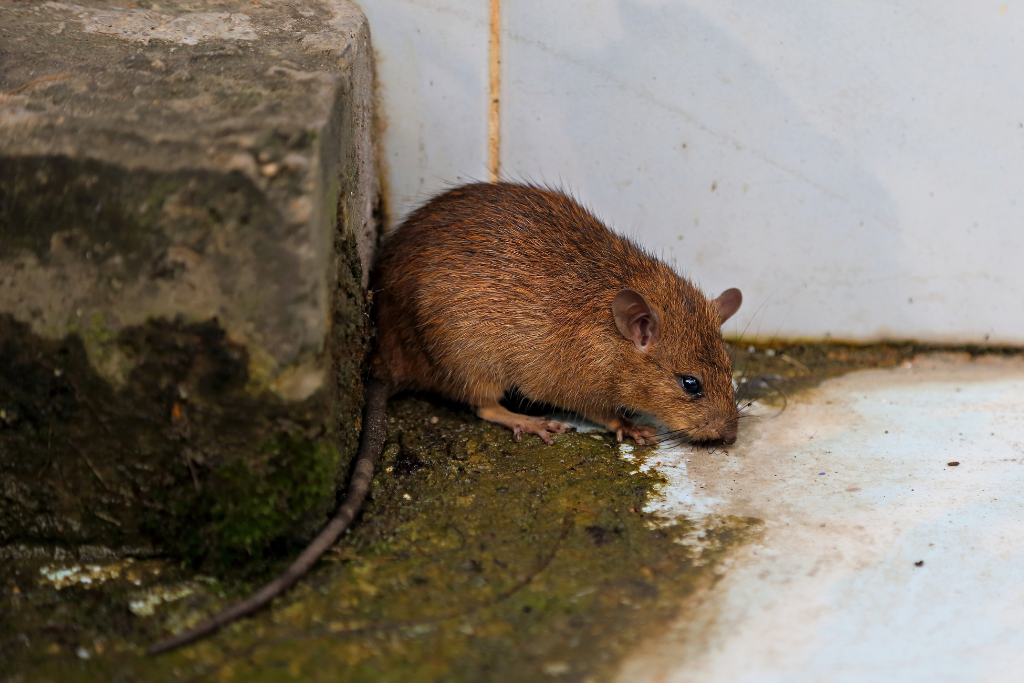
(476, 559)
(187, 198)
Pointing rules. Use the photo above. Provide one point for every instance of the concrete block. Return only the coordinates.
(187, 198)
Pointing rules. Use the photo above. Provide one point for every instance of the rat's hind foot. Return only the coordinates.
(642, 434)
(541, 426)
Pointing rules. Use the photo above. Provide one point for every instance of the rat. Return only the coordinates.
(491, 287)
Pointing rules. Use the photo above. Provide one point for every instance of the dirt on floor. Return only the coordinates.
(476, 558)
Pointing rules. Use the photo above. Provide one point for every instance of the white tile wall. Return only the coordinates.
(857, 168)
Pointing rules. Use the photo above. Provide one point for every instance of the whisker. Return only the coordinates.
(676, 431)
(749, 384)
(785, 403)
(675, 441)
(674, 437)
(769, 298)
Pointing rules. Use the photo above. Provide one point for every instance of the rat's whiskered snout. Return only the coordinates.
(723, 432)
(712, 430)
(718, 426)
(728, 428)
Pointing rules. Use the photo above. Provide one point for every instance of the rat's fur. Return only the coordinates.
(490, 287)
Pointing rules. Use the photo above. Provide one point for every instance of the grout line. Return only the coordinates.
(494, 117)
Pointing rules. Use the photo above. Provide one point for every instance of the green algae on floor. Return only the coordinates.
(771, 372)
(477, 558)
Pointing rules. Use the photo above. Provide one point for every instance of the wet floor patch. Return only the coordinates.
(893, 541)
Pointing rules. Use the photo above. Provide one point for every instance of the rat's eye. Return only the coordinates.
(691, 385)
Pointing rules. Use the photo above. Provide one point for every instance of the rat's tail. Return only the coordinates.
(369, 451)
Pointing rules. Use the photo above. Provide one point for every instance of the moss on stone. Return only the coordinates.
(181, 459)
(263, 498)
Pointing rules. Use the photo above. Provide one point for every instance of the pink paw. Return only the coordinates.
(539, 426)
(641, 434)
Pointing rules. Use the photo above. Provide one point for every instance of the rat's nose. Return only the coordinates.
(728, 433)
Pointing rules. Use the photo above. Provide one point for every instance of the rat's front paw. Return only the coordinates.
(641, 434)
(540, 426)
(520, 424)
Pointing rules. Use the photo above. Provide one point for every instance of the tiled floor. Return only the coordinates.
(880, 561)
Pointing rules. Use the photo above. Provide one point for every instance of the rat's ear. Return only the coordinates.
(727, 304)
(636, 320)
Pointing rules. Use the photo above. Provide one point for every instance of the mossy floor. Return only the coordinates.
(477, 558)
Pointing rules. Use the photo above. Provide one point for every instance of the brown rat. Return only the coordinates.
(490, 287)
